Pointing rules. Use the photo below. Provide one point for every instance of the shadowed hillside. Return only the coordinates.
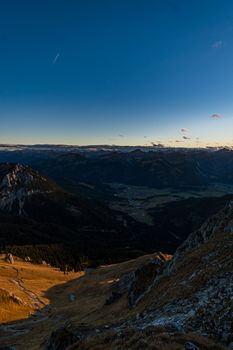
(160, 301)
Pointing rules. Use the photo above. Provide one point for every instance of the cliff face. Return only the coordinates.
(220, 223)
(195, 291)
(17, 184)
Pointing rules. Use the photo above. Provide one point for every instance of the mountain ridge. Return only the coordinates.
(191, 294)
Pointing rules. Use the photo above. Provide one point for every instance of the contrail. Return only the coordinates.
(56, 58)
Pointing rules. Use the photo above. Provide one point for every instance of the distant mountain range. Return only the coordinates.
(98, 147)
(68, 200)
(159, 168)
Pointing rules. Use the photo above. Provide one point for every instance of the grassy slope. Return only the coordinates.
(54, 287)
(89, 309)
(36, 278)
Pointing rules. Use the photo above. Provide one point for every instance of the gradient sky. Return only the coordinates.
(116, 72)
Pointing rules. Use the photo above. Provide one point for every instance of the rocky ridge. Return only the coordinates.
(191, 294)
(18, 183)
(200, 281)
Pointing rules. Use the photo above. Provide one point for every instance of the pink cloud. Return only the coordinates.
(216, 116)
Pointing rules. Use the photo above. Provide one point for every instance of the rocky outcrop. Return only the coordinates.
(195, 292)
(9, 297)
(17, 183)
(139, 282)
(61, 339)
(190, 346)
(144, 278)
(222, 221)
(9, 258)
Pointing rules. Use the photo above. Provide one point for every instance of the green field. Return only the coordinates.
(136, 200)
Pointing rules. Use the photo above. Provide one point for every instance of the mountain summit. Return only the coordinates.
(18, 183)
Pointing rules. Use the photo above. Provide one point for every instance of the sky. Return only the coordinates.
(125, 72)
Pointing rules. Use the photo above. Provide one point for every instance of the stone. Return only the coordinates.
(72, 297)
(190, 346)
(9, 258)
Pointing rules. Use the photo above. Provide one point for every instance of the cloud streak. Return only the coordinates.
(56, 58)
(217, 45)
(216, 116)
(157, 145)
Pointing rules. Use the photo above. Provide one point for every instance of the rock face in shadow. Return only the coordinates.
(61, 339)
(143, 278)
(196, 287)
(139, 282)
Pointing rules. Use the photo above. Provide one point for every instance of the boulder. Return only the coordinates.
(9, 258)
(72, 297)
(190, 346)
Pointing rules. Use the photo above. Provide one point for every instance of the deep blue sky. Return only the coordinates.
(115, 71)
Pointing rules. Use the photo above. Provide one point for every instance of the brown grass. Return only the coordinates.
(36, 278)
(89, 309)
(10, 307)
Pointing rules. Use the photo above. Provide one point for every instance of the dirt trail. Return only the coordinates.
(24, 326)
(35, 300)
(41, 317)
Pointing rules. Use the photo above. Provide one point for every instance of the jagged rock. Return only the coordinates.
(12, 297)
(17, 183)
(191, 346)
(16, 299)
(139, 282)
(9, 258)
(198, 282)
(144, 277)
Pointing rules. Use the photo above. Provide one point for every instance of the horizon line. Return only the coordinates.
(157, 146)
